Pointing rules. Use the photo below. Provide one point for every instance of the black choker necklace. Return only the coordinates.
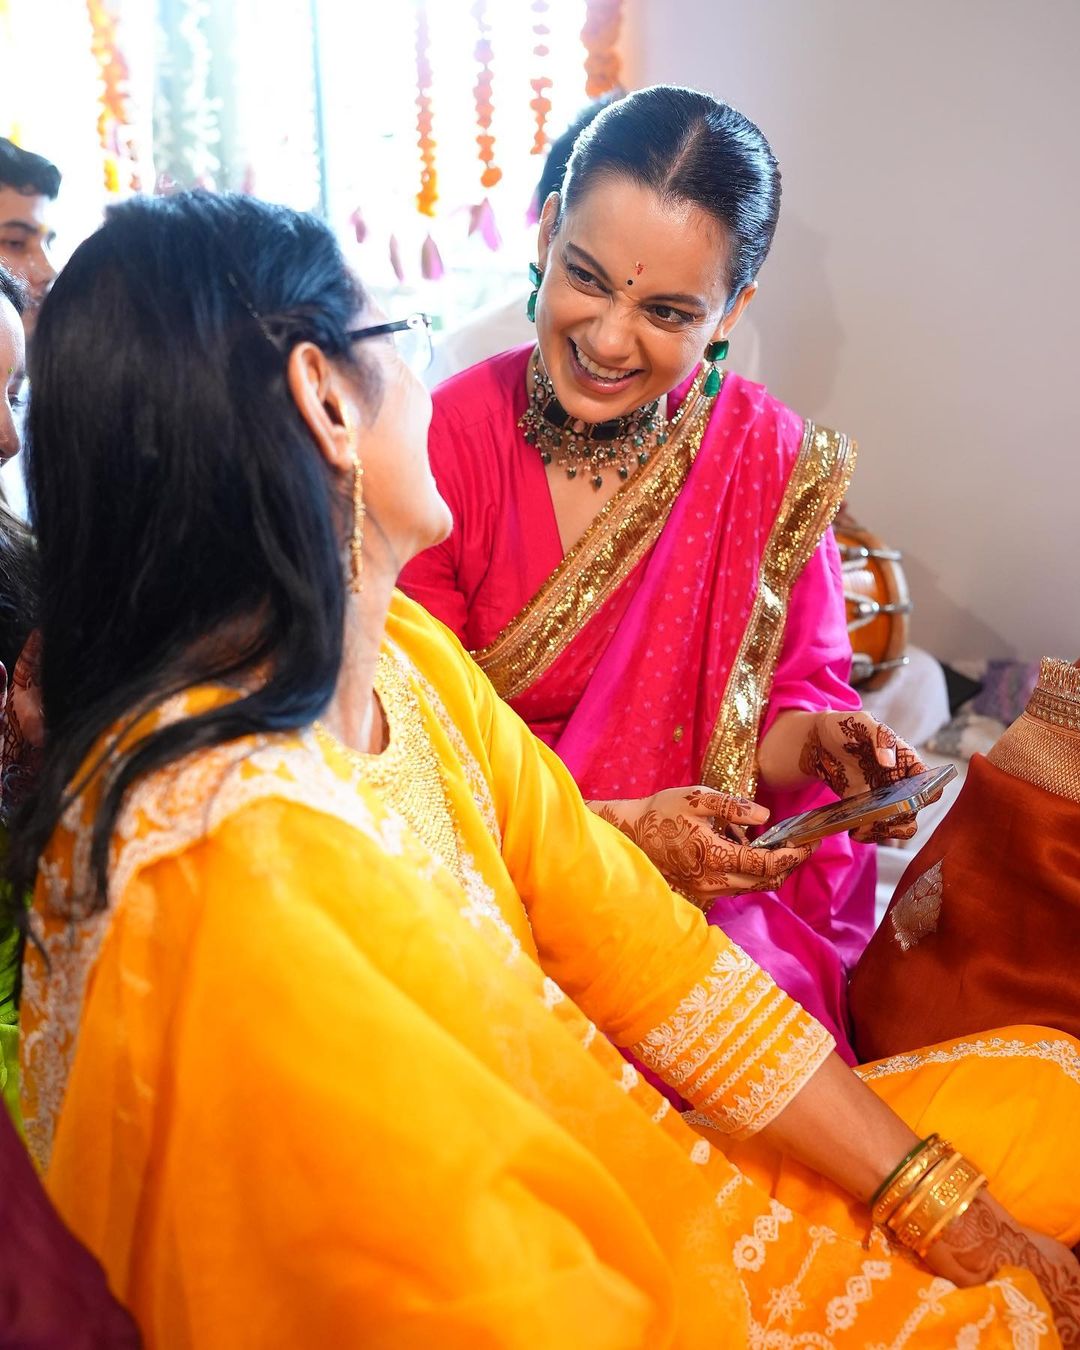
(593, 446)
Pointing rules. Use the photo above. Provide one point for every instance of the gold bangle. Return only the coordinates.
(918, 1193)
(898, 1189)
(961, 1207)
(901, 1166)
(936, 1202)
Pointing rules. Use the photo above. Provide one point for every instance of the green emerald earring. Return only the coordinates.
(714, 352)
(536, 277)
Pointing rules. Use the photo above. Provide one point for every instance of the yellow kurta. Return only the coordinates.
(310, 1082)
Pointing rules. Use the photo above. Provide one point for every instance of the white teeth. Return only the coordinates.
(601, 372)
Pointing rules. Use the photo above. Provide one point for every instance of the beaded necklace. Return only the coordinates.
(406, 775)
(591, 447)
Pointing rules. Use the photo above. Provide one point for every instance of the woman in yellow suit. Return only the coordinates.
(330, 954)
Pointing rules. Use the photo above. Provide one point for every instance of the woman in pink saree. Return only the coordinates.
(676, 621)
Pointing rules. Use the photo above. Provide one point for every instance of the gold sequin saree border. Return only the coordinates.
(817, 485)
(625, 529)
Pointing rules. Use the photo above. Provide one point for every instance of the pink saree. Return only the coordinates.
(705, 599)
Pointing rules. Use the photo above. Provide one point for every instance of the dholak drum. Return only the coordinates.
(878, 605)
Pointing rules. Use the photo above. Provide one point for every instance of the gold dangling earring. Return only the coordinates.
(356, 542)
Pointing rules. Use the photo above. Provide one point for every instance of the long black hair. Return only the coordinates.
(687, 146)
(560, 150)
(177, 496)
(18, 580)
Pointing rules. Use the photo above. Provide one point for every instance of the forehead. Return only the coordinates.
(12, 342)
(621, 224)
(29, 208)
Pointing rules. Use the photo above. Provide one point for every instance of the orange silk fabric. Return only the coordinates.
(1006, 945)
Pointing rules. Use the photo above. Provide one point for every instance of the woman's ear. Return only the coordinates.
(549, 218)
(322, 399)
(735, 313)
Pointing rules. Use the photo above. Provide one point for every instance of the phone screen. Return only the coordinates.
(908, 795)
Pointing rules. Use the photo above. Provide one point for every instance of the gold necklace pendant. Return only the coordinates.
(406, 775)
(574, 446)
(589, 448)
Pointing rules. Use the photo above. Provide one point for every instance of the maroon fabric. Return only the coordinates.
(53, 1294)
(994, 939)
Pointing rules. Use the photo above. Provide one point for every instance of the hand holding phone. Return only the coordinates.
(904, 798)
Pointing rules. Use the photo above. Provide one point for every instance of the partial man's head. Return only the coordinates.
(28, 187)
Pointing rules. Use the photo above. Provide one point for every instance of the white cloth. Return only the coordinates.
(13, 486)
(892, 859)
(915, 703)
(493, 329)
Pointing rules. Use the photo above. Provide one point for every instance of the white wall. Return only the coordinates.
(923, 289)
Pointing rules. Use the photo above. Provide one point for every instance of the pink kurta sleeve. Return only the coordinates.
(814, 668)
(835, 893)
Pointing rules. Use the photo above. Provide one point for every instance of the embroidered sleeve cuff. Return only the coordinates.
(737, 1047)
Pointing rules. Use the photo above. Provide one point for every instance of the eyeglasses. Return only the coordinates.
(412, 337)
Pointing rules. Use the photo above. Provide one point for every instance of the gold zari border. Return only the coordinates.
(813, 495)
(1056, 698)
(625, 529)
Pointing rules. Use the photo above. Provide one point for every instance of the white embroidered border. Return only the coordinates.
(1062, 1051)
(666, 1044)
(929, 1302)
(474, 775)
(1026, 1320)
(767, 1099)
(181, 804)
(679, 1046)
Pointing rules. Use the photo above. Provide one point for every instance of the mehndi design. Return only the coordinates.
(694, 857)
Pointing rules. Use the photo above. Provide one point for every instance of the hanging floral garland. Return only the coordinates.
(600, 35)
(491, 173)
(114, 122)
(540, 103)
(481, 216)
(186, 130)
(429, 178)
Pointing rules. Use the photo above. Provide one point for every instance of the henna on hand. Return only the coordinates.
(898, 827)
(982, 1240)
(862, 744)
(842, 750)
(721, 806)
(817, 762)
(682, 847)
(694, 858)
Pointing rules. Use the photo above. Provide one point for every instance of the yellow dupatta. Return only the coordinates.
(302, 1083)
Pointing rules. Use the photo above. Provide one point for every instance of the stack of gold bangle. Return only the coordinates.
(932, 1186)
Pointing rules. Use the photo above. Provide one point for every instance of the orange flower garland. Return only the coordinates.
(600, 35)
(491, 173)
(540, 103)
(429, 178)
(114, 119)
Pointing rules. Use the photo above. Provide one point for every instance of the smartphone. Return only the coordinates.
(895, 799)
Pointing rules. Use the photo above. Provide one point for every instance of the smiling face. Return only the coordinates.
(634, 287)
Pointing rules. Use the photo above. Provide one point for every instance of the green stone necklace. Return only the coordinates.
(589, 448)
